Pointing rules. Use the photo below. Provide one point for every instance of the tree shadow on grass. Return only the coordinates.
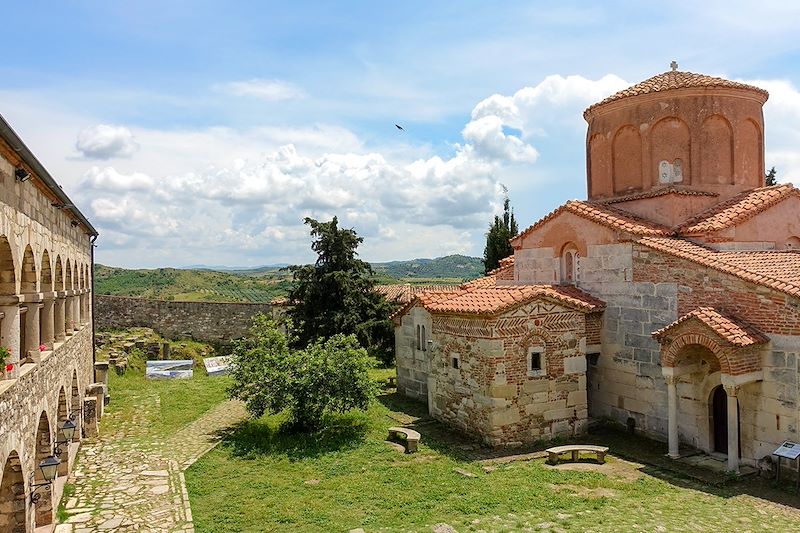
(251, 438)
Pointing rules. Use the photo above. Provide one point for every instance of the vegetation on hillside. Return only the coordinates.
(265, 284)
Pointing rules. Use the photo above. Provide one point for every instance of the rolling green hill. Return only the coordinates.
(263, 284)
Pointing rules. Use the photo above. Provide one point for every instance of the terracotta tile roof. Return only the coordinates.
(733, 330)
(505, 264)
(607, 216)
(494, 300)
(672, 80)
(405, 292)
(738, 209)
(776, 270)
(653, 193)
(485, 281)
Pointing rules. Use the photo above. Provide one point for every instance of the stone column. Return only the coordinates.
(90, 417)
(69, 313)
(9, 335)
(84, 307)
(31, 347)
(59, 317)
(672, 414)
(733, 428)
(48, 321)
(77, 311)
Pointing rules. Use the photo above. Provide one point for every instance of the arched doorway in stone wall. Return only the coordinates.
(75, 407)
(718, 423)
(43, 512)
(9, 323)
(12, 496)
(63, 416)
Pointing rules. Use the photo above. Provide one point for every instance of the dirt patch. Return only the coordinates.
(619, 468)
(585, 492)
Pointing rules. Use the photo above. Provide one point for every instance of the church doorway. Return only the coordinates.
(719, 419)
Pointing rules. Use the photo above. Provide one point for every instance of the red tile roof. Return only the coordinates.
(603, 214)
(738, 209)
(776, 270)
(653, 193)
(494, 300)
(673, 79)
(733, 330)
(405, 292)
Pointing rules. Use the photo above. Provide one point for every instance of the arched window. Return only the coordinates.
(569, 263)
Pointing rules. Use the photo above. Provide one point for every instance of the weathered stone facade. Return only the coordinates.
(697, 267)
(45, 323)
(203, 321)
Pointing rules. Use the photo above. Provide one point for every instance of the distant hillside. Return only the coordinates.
(190, 285)
(262, 284)
(460, 267)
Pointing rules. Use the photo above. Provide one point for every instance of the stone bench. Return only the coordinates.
(576, 449)
(412, 437)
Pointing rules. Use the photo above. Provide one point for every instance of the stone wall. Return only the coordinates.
(212, 322)
(493, 391)
(35, 395)
(413, 365)
(627, 380)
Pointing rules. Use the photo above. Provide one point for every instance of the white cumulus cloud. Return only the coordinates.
(269, 90)
(104, 141)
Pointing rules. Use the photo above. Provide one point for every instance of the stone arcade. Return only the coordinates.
(45, 322)
(668, 301)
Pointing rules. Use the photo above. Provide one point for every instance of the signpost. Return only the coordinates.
(789, 450)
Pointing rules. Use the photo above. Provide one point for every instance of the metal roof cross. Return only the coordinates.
(674, 66)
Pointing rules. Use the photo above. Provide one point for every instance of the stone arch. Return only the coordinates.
(670, 141)
(46, 276)
(672, 354)
(751, 159)
(13, 503)
(75, 406)
(538, 336)
(59, 275)
(81, 277)
(627, 159)
(28, 275)
(88, 277)
(68, 275)
(8, 272)
(62, 417)
(43, 447)
(716, 155)
(599, 167)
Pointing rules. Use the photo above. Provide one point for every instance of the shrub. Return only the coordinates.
(328, 376)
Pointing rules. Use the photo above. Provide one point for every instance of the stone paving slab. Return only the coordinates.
(125, 482)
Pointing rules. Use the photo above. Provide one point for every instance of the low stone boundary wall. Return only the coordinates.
(212, 322)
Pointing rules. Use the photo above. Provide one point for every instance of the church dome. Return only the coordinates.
(679, 130)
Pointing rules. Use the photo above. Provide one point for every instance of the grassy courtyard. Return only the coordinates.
(260, 479)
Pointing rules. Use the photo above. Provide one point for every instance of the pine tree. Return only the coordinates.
(769, 179)
(502, 230)
(336, 295)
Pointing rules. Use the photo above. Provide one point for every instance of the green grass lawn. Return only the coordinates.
(260, 479)
(179, 401)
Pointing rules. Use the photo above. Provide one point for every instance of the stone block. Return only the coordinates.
(575, 365)
(577, 397)
(503, 391)
(504, 417)
(559, 414)
(90, 417)
(533, 386)
(540, 408)
(566, 386)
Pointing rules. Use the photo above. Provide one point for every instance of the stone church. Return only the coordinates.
(668, 300)
(48, 401)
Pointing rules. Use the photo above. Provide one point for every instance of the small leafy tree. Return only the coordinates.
(336, 295)
(500, 233)
(770, 177)
(328, 376)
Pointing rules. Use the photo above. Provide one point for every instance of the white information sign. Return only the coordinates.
(789, 449)
(217, 366)
(181, 369)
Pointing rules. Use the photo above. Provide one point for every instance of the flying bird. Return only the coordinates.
(399, 127)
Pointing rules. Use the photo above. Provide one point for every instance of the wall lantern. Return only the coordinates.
(20, 174)
(67, 431)
(49, 468)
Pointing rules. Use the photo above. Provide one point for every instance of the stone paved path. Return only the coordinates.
(128, 482)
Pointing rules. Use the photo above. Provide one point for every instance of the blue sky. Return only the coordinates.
(203, 132)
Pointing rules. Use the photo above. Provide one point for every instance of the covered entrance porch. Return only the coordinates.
(712, 366)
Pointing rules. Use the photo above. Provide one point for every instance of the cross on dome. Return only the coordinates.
(674, 66)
